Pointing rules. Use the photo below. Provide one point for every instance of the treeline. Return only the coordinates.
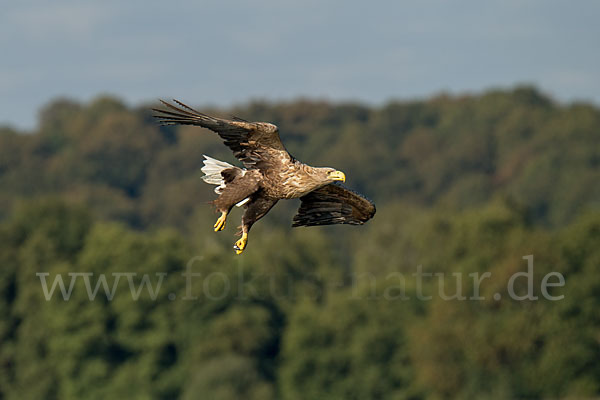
(449, 153)
(463, 185)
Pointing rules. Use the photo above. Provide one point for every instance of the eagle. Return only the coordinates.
(270, 174)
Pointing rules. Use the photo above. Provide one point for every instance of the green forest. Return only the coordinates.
(464, 185)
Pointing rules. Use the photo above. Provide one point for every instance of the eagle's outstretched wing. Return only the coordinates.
(256, 144)
(333, 204)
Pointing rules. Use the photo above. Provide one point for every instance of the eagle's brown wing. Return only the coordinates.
(256, 144)
(333, 204)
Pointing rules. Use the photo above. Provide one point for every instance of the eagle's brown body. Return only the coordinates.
(270, 174)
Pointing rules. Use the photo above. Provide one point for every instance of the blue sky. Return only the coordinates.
(228, 52)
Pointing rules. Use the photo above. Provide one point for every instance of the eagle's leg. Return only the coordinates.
(255, 210)
(220, 224)
(235, 187)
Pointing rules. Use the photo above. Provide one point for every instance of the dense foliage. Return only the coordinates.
(463, 185)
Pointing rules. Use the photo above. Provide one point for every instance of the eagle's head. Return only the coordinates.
(331, 175)
(313, 178)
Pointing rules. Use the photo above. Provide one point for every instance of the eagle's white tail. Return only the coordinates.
(212, 172)
(212, 175)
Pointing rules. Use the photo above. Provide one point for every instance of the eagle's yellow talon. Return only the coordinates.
(220, 224)
(240, 245)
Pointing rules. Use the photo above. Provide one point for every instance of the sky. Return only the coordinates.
(230, 52)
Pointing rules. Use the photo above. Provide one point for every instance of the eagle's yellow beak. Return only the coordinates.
(337, 176)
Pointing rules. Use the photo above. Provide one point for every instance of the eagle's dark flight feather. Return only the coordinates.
(251, 142)
(333, 204)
